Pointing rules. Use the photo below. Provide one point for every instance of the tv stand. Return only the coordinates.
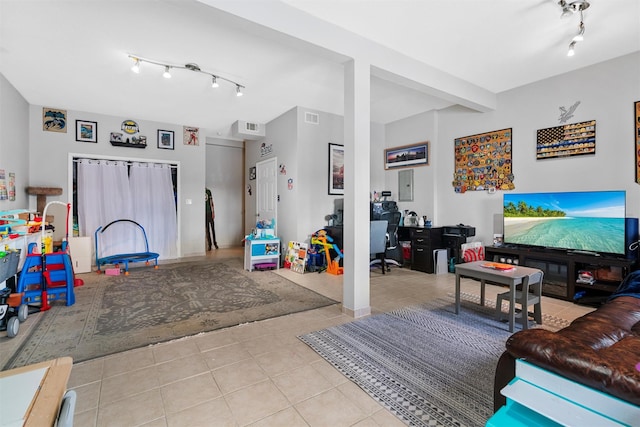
(562, 269)
(580, 252)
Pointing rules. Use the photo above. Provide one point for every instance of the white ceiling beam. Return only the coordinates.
(339, 44)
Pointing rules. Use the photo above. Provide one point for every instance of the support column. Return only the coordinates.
(357, 128)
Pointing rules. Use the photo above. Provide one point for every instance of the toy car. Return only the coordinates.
(10, 316)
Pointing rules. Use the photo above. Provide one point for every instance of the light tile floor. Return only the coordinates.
(256, 374)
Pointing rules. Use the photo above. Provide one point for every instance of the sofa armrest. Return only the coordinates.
(505, 372)
(611, 369)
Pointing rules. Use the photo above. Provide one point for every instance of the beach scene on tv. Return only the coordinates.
(586, 221)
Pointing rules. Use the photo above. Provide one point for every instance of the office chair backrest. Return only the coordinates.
(392, 216)
(378, 237)
(392, 229)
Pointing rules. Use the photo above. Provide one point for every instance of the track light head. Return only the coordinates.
(214, 82)
(238, 90)
(568, 9)
(136, 66)
(580, 36)
(166, 74)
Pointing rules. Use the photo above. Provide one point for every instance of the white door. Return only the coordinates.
(267, 191)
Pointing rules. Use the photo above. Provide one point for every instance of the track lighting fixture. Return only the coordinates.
(190, 66)
(568, 9)
(580, 36)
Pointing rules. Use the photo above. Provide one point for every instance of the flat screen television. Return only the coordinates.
(587, 221)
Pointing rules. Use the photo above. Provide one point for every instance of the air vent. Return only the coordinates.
(252, 127)
(311, 118)
(247, 130)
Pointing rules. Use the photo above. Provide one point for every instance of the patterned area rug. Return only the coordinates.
(118, 313)
(425, 364)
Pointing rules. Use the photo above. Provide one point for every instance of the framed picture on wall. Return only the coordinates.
(86, 131)
(407, 156)
(636, 117)
(190, 135)
(336, 169)
(54, 120)
(165, 139)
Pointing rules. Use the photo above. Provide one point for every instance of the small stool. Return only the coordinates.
(531, 287)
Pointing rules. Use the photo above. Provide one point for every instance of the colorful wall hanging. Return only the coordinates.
(574, 139)
(54, 120)
(130, 127)
(637, 134)
(483, 162)
(190, 135)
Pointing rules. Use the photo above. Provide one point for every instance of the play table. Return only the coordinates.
(511, 278)
(32, 394)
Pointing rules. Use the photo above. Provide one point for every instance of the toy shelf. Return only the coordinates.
(261, 251)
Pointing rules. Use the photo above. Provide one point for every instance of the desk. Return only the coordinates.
(40, 395)
(424, 240)
(512, 278)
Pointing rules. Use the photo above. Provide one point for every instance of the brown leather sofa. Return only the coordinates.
(600, 349)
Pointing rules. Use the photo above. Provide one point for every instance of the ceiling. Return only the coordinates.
(72, 54)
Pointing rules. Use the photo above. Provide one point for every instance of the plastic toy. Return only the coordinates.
(8, 316)
(321, 238)
(46, 277)
(125, 259)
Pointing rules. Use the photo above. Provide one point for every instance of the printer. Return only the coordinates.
(459, 230)
(454, 236)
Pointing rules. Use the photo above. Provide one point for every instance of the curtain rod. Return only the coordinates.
(126, 162)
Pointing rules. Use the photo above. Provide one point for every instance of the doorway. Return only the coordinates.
(224, 177)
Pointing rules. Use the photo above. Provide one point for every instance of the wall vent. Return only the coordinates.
(311, 118)
(247, 130)
(252, 127)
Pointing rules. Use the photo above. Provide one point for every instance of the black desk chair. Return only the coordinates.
(378, 243)
(393, 253)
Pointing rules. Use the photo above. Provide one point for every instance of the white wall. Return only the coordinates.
(49, 164)
(304, 150)
(607, 92)
(281, 137)
(413, 130)
(315, 202)
(14, 142)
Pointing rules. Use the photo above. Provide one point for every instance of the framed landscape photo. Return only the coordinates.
(636, 119)
(336, 169)
(165, 139)
(86, 131)
(407, 156)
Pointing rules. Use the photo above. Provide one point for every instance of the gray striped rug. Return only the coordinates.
(427, 365)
